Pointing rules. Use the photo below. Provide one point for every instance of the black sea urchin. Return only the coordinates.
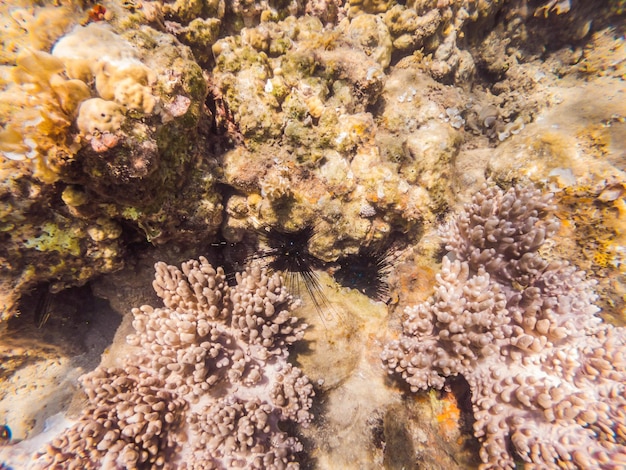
(288, 252)
(231, 256)
(367, 271)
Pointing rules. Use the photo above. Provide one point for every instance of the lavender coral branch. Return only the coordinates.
(547, 375)
(207, 385)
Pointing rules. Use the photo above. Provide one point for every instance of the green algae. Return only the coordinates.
(55, 238)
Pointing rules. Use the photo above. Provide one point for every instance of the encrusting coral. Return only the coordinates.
(547, 375)
(208, 383)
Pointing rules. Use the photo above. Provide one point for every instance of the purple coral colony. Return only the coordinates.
(207, 385)
(545, 372)
(444, 182)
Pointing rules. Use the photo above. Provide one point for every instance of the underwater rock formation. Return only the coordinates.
(96, 131)
(547, 375)
(302, 97)
(207, 385)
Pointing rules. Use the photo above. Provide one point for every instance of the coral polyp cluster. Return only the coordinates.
(523, 331)
(138, 131)
(207, 384)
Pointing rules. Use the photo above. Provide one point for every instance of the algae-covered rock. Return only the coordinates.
(370, 34)
(368, 6)
(200, 34)
(409, 29)
(99, 129)
(303, 113)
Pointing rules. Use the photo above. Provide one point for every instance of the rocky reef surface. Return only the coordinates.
(339, 137)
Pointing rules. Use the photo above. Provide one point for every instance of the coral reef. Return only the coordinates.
(136, 131)
(523, 331)
(207, 384)
(361, 105)
(301, 99)
(94, 138)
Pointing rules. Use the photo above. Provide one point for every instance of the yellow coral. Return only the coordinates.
(79, 69)
(37, 106)
(73, 196)
(128, 85)
(134, 96)
(53, 237)
(36, 67)
(70, 93)
(98, 115)
(36, 28)
(12, 145)
(47, 25)
(96, 51)
(602, 258)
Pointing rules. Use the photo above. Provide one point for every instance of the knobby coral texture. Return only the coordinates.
(208, 385)
(547, 376)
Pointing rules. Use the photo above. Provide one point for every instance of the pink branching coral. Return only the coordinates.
(207, 385)
(547, 376)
